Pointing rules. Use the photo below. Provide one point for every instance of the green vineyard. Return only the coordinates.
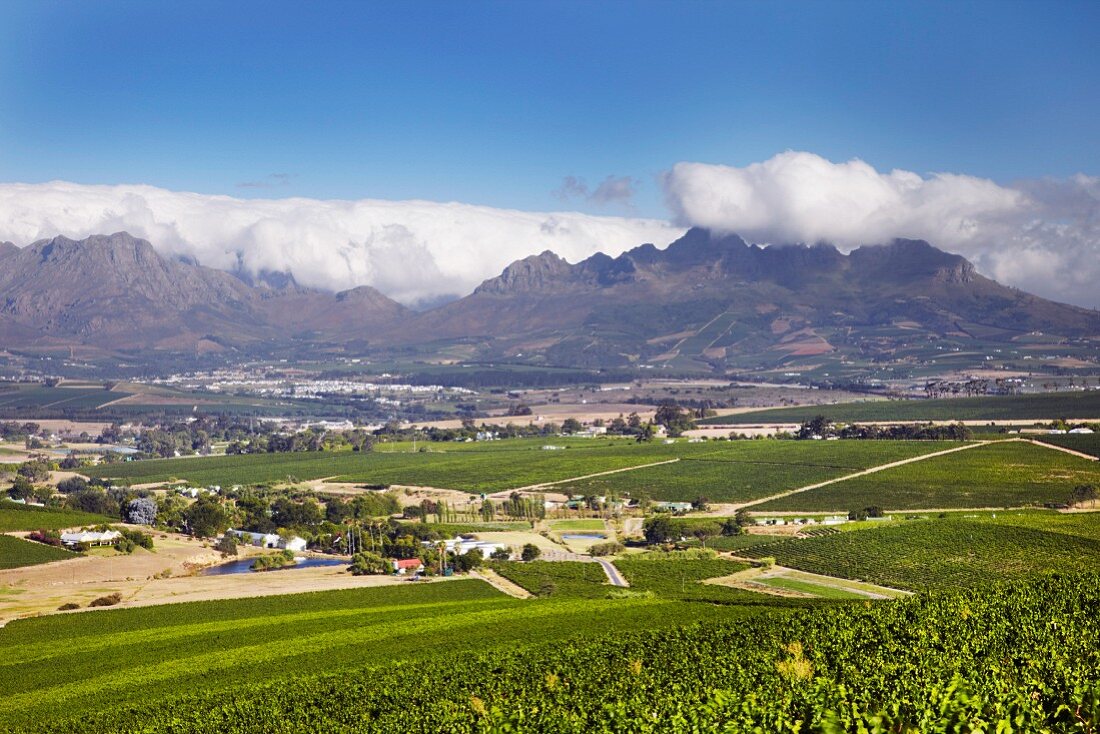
(940, 553)
(1021, 658)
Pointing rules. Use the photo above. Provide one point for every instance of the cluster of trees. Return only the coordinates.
(1083, 493)
(662, 529)
(866, 512)
(821, 427)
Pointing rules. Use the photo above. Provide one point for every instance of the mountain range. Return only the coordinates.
(707, 301)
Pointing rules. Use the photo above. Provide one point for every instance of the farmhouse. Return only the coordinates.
(672, 506)
(270, 540)
(109, 537)
(405, 566)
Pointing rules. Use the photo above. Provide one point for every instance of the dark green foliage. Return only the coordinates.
(369, 564)
(206, 517)
(274, 561)
(530, 552)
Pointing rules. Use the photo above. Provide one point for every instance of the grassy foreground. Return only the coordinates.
(1022, 658)
(79, 664)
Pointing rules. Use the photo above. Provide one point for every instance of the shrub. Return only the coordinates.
(368, 564)
(609, 548)
(68, 607)
(227, 545)
(530, 552)
(275, 561)
(48, 537)
(107, 601)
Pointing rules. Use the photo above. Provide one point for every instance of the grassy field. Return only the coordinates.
(949, 552)
(16, 553)
(739, 471)
(1003, 407)
(808, 587)
(1003, 474)
(69, 665)
(720, 470)
(21, 517)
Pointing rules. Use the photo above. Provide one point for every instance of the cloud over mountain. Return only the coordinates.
(413, 251)
(1039, 235)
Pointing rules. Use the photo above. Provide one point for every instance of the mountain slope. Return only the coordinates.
(116, 291)
(717, 300)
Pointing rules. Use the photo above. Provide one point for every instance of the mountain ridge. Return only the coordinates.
(707, 301)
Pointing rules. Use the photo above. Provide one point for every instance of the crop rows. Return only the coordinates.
(937, 554)
(747, 470)
(1085, 443)
(1002, 474)
(22, 517)
(73, 665)
(1022, 658)
(16, 553)
(719, 470)
(557, 578)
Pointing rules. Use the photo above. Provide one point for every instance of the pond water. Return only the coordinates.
(583, 536)
(244, 565)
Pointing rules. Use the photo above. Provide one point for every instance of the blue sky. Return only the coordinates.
(496, 103)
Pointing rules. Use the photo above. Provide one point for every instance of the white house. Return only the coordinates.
(260, 540)
(91, 538)
(293, 543)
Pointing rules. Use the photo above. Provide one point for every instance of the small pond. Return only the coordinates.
(583, 536)
(244, 565)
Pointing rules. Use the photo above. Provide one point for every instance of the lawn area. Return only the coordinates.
(943, 553)
(668, 576)
(16, 553)
(1002, 474)
(72, 665)
(993, 407)
(577, 526)
(739, 471)
(21, 517)
(808, 587)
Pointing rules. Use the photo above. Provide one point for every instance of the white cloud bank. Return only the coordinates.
(412, 251)
(1040, 235)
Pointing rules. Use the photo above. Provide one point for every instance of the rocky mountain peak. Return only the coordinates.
(532, 273)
